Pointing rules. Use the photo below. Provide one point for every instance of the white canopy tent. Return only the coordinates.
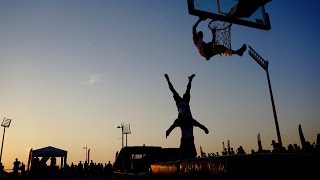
(48, 152)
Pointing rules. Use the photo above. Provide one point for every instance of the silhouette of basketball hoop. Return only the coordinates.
(222, 32)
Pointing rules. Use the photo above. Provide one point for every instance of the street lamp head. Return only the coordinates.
(6, 122)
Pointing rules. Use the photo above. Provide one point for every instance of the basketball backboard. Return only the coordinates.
(222, 10)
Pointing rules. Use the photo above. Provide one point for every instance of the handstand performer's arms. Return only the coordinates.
(174, 125)
(196, 123)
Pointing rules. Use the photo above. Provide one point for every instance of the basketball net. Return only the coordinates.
(223, 32)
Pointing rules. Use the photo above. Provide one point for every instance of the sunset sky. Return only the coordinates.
(74, 70)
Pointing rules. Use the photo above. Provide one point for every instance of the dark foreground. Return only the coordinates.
(234, 167)
(175, 178)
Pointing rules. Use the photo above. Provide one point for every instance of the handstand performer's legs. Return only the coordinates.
(186, 96)
(176, 96)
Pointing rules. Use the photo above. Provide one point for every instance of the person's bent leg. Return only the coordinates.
(224, 50)
(220, 49)
(241, 50)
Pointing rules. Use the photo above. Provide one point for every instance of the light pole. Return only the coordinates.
(265, 64)
(121, 126)
(127, 131)
(86, 148)
(5, 124)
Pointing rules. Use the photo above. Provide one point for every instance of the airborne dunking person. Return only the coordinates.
(211, 49)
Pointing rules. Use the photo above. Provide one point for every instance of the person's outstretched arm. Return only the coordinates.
(174, 125)
(194, 27)
(197, 124)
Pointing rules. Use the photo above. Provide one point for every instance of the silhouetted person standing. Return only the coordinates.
(86, 168)
(80, 169)
(108, 169)
(276, 147)
(23, 170)
(1, 171)
(16, 166)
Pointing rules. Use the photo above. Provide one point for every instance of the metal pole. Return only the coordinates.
(126, 139)
(265, 65)
(274, 110)
(4, 131)
(122, 135)
(122, 139)
(87, 154)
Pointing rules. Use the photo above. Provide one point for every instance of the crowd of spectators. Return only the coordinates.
(306, 147)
